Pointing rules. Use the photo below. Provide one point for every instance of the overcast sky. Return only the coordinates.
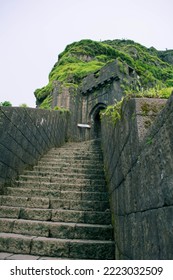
(34, 32)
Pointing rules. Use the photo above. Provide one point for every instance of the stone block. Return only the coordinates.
(92, 250)
(9, 212)
(15, 243)
(67, 216)
(50, 247)
(6, 225)
(33, 228)
(35, 214)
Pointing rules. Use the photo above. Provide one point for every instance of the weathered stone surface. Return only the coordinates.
(67, 216)
(5, 256)
(28, 134)
(15, 243)
(50, 247)
(21, 257)
(139, 166)
(6, 225)
(9, 212)
(25, 201)
(92, 250)
(34, 228)
(35, 214)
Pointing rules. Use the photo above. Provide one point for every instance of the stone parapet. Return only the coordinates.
(25, 135)
(111, 71)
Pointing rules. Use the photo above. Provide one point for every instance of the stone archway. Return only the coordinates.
(95, 120)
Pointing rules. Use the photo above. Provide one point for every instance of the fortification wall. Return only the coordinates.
(25, 135)
(139, 171)
(97, 90)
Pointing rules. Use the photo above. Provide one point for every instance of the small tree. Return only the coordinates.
(6, 104)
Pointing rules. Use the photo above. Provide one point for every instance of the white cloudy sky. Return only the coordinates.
(34, 32)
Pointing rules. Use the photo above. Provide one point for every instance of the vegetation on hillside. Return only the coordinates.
(155, 68)
(6, 104)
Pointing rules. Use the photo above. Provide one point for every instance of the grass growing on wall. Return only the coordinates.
(155, 92)
(113, 112)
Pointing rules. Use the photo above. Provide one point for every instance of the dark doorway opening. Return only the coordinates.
(95, 119)
(97, 125)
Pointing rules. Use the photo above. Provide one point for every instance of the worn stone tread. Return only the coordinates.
(83, 164)
(54, 203)
(73, 170)
(65, 186)
(52, 179)
(71, 176)
(31, 202)
(55, 247)
(56, 229)
(55, 215)
(81, 195)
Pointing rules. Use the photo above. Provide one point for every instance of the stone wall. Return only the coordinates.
(25, 135)
(139, 170)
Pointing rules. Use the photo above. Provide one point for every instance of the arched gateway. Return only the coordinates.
(95, 120)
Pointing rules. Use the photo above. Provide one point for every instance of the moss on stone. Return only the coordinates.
(86, 56)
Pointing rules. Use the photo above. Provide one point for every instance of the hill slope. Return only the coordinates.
(155, 68)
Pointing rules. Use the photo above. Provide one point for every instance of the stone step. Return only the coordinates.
(67, 186)
(53, 247)
(17, 257)
(76, 148)
(70, 157)
(46, 203)
(74, 163)
(79, 205)
(56, 215)
(61, 194)
(50, 173)
(60, 168)
(21, 201)
(56, 229)
(73, 153)
(65, 180)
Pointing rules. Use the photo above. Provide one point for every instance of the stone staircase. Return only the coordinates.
(60, 209)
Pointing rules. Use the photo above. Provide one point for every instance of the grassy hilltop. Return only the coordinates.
(155, 68)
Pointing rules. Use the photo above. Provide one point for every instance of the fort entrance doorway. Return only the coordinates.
(96, 120)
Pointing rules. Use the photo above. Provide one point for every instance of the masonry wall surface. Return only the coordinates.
(25, 135)
(139, 171)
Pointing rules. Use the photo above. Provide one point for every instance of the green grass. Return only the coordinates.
(86, 56)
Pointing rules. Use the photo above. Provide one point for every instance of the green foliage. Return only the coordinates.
(74, 72)
(46, 104)
(6, 104)
(86, 56)
(61, 110)
(155, 92)
(113, 112)
(42, 93)
(169, 83)
(149, 141)
(23, 105)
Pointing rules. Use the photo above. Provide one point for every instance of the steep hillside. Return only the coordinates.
(155, 68)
